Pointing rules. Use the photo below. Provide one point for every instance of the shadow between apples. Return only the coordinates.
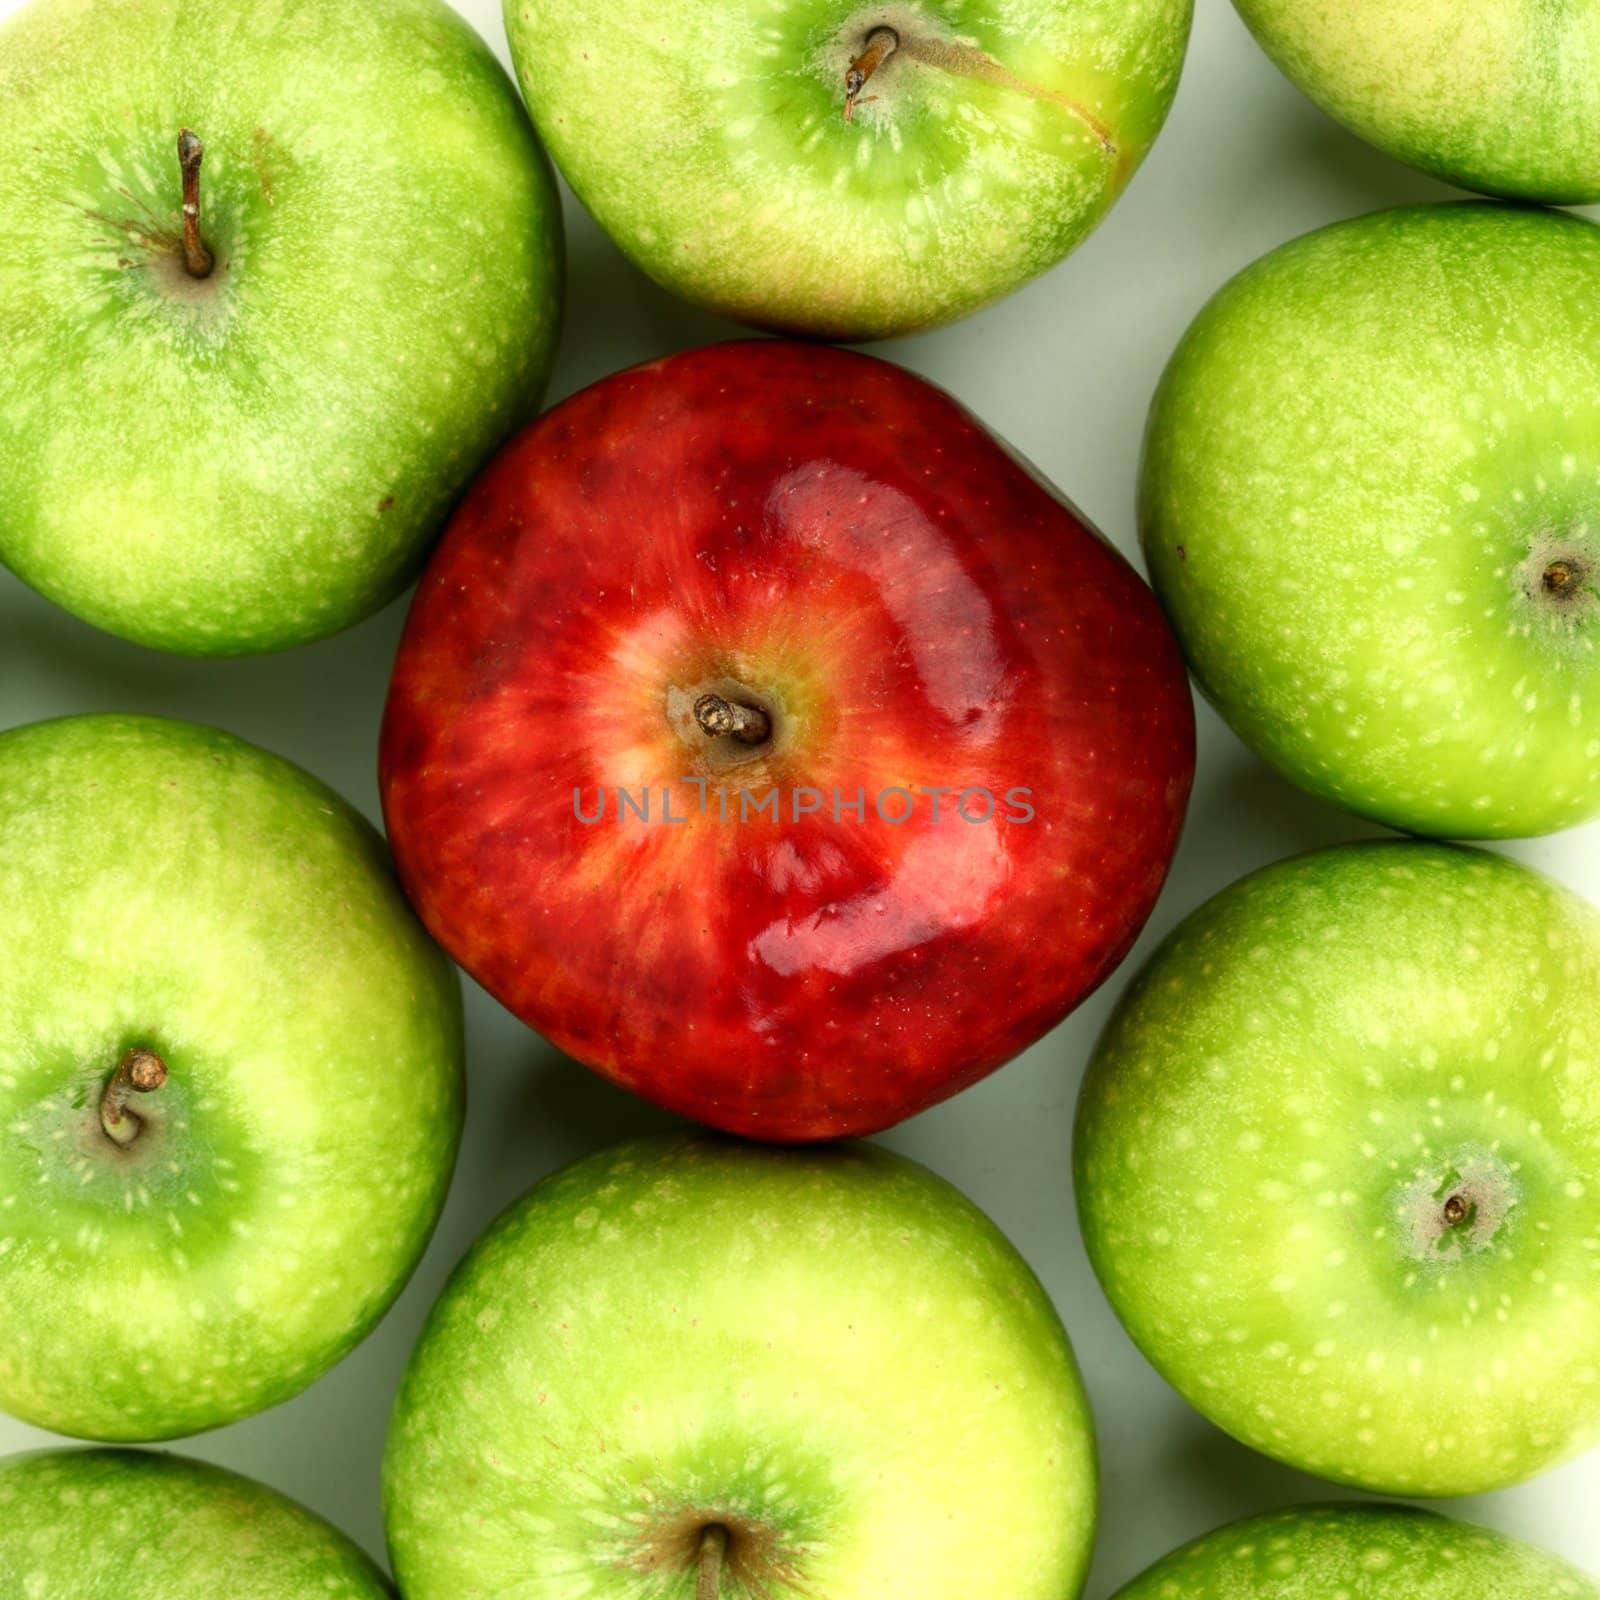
(1356, 176)
(1225, 1479)
(1206, 1479)
(317, 704)
(40, 643)
(1243, 815)
(620, 310)
(571, 1110)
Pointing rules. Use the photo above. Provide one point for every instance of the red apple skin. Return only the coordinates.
(848, 544)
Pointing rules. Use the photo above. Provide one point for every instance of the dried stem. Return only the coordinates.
(198, 259)
(139, 1072)
(881, 44)
(713, 1547)
(747, 724)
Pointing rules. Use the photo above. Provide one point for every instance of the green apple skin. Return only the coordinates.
(1338, 1166)
(261, 457)
(1366, 462)
(831, 1353)
(1502, 96)
(97, 1524)
(1358, 1552)
(708, 138)
(169, 887)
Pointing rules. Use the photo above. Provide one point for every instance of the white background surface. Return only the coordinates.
(1065, 370)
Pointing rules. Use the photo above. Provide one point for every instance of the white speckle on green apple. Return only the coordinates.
(692, 1366)
(232, 1082)
(1502, 98)
(81, 1524)
(240, 430)
(847, 169)
(1358, 1552)
(1337, 1161)
(1370, 504)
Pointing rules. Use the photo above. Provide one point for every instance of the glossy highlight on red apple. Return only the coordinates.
(837, 557)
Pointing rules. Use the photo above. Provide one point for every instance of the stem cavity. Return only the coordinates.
(1455, 1206)
(881, 44)
(139, 1072)
(716, 716)
(1559, 577)
(196, 257)
(713, 1547)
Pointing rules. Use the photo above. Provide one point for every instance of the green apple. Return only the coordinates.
(1370, 503)
(849, 169)
(1338, 1166)
(1358, 1552)
(93, 1524)
(690, 1366)
(1501, 95)
(247, 438)
(230, 1078)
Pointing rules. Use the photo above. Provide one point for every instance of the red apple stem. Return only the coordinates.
(713, 1547)
(881, 44)
(139, 1072)
(198, 259)
(716, 716)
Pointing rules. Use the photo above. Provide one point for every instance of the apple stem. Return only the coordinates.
(198, 259)
(139, 1072)
(881, 44)
(747, 724)
(1559, 576)
(713, 1546)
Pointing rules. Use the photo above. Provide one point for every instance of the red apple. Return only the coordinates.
(832, 552)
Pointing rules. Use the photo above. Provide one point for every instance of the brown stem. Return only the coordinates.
(747, 724)
(139, 1072)
(881, 44)
(713, 1546)
(198, 259)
